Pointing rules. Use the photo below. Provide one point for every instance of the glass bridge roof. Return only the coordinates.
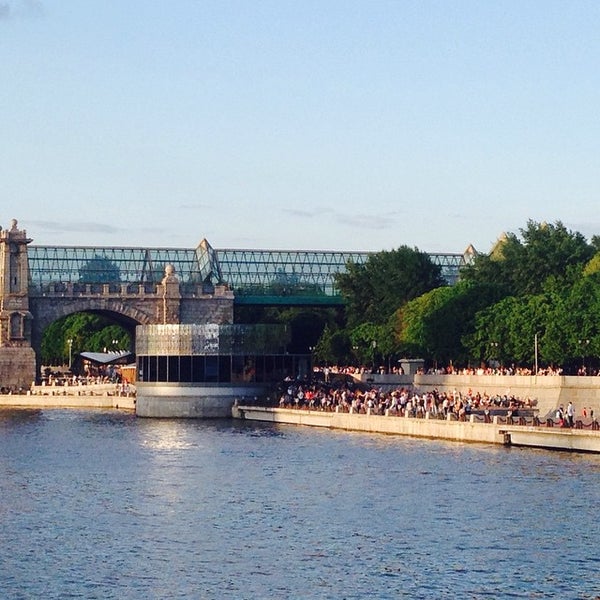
(256, 276)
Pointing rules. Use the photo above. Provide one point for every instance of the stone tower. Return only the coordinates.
(17, 357)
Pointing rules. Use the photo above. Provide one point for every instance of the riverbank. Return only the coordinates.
(67, 401)
(497, 432)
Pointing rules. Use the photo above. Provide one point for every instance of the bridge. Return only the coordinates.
(274, 277)
(146, 286)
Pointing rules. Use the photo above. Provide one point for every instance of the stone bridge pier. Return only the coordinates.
(17, 357)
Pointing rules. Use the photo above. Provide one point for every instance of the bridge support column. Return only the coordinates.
(17, 357)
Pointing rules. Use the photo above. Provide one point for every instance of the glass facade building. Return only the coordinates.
(216, 354)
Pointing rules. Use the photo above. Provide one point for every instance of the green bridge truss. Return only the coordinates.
(287, 277)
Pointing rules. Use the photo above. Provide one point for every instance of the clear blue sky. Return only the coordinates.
(308, 124)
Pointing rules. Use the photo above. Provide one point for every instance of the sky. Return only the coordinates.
(313, 124)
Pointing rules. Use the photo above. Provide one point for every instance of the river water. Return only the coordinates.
(97, 504)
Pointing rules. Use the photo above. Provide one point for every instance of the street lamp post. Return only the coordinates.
(494, 351)
(584, 344)
(535, 348)
(70, 343)
(374, 345)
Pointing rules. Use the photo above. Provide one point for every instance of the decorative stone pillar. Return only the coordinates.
(171, 296)
(17, 357)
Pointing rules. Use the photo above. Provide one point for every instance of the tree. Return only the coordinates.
(88, 332)
(507, 330)
(575, 325)
(593, 265)
(306, 324)
(523, 265)
(434, 324)
(111, 338)
(334, 347)
(99, 270)
(374, 289)
(413, 321)
(53, 344)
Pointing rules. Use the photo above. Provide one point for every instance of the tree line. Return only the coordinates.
(536, 291)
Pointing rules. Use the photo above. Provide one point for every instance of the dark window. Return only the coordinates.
(152, 371)
(288, 365)
(162, 369)
(16, 330)
(224, 369)
(142, 362)
(237, 368)
(173, 365)
(185, 368)
(269, 367)
(198, 368)
(212, 369)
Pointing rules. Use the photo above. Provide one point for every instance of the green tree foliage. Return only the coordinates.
(593, 265)
(376, 288)
(54, 348)
(306, 324)
(89, 333)
(99, 270)
(553, 276)
(577, 321)
(523, 264)
(542, 284)
(433, 325)
(507, 330)
(334, 347)
(414, 322)
(110, 338)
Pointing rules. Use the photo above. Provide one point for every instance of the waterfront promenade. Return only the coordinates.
(497, 409)
(502, 430)
(97, 395)
(545, 392)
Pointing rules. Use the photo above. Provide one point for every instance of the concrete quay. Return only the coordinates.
(192, 400)
(67, 401)
(577, 440)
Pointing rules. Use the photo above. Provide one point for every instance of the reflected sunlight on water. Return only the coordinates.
(168, 435)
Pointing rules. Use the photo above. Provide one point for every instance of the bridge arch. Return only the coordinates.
(46, 311)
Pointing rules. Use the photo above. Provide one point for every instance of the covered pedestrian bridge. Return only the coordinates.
(256, 277)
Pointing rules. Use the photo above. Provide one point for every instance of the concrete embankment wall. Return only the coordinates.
(547, 391)
(35, 401)
(579, 440)
(425, 428)
(192, 401)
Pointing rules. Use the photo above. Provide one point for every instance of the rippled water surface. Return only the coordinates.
(105, 505)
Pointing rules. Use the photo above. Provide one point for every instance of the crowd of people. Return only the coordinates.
(91, 376)
(400, 401)
(454, 370)
(489, 370)
(102, 377)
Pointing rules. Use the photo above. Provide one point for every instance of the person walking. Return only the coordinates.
(570, 414)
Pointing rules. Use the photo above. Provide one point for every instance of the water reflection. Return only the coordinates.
(167, 435)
